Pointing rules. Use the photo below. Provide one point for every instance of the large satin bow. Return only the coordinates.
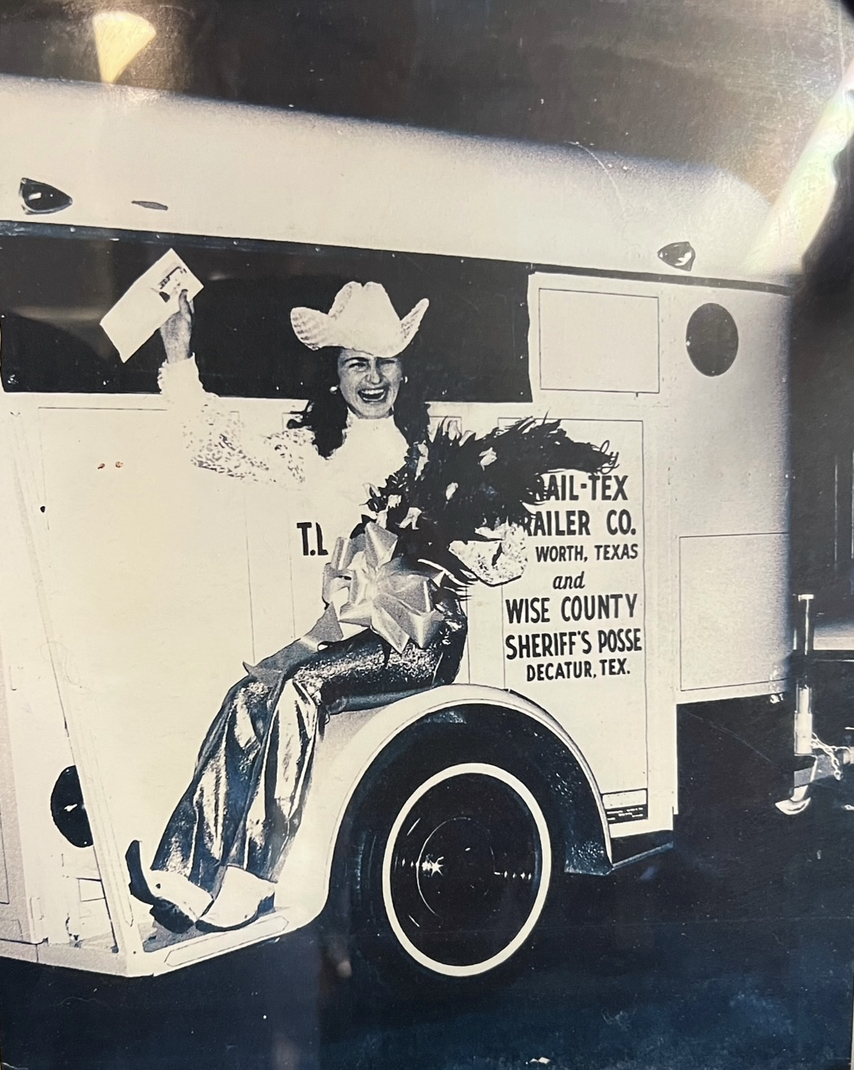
(365, 586)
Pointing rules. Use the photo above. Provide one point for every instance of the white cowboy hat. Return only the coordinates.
(361, 317)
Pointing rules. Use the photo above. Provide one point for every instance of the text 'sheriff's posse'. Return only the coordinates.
(577, 614)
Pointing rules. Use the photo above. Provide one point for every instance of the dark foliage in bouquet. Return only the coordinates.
(458, 483)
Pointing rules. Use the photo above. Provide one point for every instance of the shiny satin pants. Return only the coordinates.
(245, 800)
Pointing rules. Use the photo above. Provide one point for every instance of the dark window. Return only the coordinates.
(56, 283)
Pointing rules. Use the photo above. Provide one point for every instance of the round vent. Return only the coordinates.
(712, 339)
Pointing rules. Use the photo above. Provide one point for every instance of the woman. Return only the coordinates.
(217, 863)
(447, 511)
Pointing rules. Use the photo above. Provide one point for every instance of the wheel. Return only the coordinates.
(450, 866)
(466, 869)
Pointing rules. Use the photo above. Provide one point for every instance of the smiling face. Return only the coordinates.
(369, 384)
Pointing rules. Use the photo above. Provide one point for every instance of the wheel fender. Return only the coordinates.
(357, 746)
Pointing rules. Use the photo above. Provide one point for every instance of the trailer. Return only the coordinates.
(611, 294)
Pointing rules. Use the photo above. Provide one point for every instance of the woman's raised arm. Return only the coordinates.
(215, 437)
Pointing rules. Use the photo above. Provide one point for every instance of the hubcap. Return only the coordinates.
(466, 869)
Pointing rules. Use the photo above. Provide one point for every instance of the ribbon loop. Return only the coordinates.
(365, 586)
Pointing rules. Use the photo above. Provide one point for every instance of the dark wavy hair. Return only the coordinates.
(325, 415)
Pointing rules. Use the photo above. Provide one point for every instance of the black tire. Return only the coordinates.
(453, 852)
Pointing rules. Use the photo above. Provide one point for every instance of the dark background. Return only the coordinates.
(734, 951)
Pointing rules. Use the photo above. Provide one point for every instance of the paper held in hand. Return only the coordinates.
(148, 303)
